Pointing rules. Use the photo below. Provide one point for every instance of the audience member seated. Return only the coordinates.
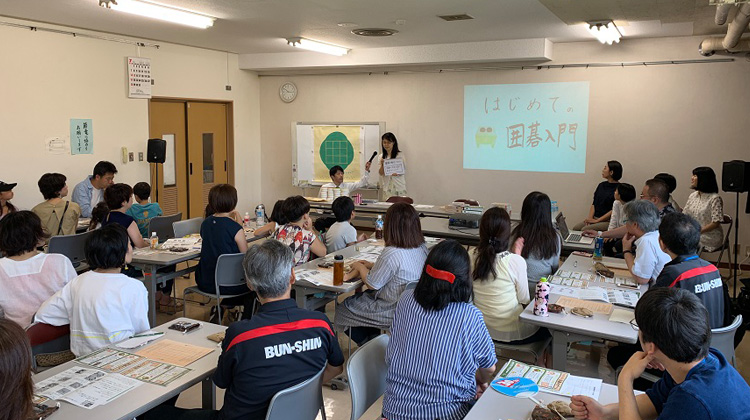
(102, 306)
(679, 236)
(601, 207)
(698, 382)
(671, 186)
(117, 200)
(501, 290)
(705, 206)
(59, 217)
(536, 239)
(16, 385)
(337, 176)
(256, 360)
(399, 264)
(221, 233)
(28, 277)
(142, 211)
(297, 233)
(647, 261)
(440, 357)
(342, 234)
(624, 193)
(657, 192)
(276, 220)
(90, 192)
(6, 194)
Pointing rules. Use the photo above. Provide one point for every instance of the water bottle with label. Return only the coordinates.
(246, 220)
(260, 215)
(541, 297)
(379, 227)
(154, 242)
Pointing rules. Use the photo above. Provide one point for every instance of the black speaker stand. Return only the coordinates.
(736, 244)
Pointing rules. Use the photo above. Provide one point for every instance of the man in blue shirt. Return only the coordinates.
(89, 192)
(698, 383)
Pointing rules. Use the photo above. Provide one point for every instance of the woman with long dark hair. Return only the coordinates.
(536, 239)
(601, 206)
(392, 185)
(706, 206)
(6, 194)
(16, 386)
(501, 290)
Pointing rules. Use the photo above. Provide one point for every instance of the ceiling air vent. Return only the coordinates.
(455, 18)
(374, 32)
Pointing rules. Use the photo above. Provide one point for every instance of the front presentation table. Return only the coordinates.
(147, 396)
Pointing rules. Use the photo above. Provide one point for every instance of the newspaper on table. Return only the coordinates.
(134, 366)
(553, 381)
(609, 295)
(179, 245)
(84, 387)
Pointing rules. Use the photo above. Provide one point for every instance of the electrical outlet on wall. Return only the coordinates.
(747, 251)
(140, 156)
(131, 156)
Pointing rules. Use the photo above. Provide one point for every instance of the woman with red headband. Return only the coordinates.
(440, 357)
(364, 315)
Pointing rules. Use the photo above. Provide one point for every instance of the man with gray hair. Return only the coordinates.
(279, 347)
(648, 259)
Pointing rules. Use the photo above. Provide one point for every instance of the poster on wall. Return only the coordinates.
(81, 137)
(337, 145)
(139, 77)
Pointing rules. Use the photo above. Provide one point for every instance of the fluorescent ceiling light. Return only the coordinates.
(161, 12)
(606, 32)
(317, 46)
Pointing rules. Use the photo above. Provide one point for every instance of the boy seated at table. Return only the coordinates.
(102, 306)
(259, 355)
(143, 210)
(342, 234)
(698, 382)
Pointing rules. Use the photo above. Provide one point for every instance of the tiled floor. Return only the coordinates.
(583, 360)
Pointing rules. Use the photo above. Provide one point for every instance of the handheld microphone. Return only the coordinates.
(372, 157)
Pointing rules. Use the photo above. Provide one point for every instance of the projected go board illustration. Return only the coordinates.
(540, 127)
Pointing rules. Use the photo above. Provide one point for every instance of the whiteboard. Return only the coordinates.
(303, 151)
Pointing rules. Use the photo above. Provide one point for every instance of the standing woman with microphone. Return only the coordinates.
(395, 184)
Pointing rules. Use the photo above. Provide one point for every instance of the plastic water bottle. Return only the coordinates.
(541, 297)
(379, 227)
(599, 245)
(154, 240)
(260, 215)
(246, 220)
(554, 208)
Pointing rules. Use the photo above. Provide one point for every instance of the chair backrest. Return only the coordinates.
(229, 271)
(300, 402)
(187, 227)
(727, 220)
(45, 339)
(722, 339)
(467, 201)
(163, 226)
(399, 199)
(366, 370)
(70, 245)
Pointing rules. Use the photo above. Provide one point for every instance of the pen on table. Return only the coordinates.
(147, 335)
(622, 305)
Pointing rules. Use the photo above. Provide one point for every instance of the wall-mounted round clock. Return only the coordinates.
(288, 92)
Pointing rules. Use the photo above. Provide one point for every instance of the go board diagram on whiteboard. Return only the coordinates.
(317, 147)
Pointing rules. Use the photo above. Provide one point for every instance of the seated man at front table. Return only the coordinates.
(279, 347)
(698, 382)
(337, 176)
(679, 236)
(647, 260)
(89, 192)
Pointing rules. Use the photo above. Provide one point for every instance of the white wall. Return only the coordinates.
(652, 119)
(47, 79)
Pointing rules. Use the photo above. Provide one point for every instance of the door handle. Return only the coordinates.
(191, 168)
(225, 166)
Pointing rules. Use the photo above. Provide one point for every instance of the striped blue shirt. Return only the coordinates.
(432, 360)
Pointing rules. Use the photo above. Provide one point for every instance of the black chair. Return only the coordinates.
(163, 226)
(72, 247)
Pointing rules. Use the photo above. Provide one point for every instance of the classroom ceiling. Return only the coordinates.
(260, 26)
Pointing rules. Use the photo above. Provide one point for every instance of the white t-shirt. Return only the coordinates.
(338, 235)
(100, 308)
(96, 197)
(649, 258)
(347, 187)
(25, 285)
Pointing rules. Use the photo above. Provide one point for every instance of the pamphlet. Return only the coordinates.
(553, 381)
(85, 387)
(134, 366)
